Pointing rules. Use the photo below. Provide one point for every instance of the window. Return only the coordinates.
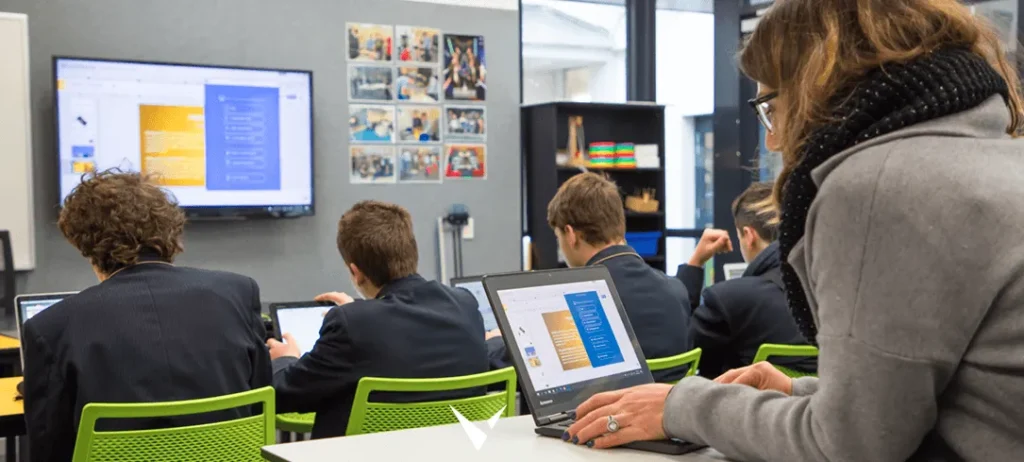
(574, 51)
(685, 34)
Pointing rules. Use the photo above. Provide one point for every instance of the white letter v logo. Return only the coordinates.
(476, 435)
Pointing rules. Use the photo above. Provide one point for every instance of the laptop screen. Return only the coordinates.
(476, 287)
(568, 336)
(32, 307)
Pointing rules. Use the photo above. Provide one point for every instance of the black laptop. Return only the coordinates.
(569, 338)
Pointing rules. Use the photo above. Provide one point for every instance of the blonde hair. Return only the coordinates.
(811, 51)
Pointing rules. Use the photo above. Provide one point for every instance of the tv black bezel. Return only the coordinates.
(204, 212)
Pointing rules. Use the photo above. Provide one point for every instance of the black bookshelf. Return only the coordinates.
(546, 132)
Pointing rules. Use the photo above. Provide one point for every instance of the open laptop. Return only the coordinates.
(301, 319)
(475, 286)
(569, 338)
(30, 305)
(734, 270)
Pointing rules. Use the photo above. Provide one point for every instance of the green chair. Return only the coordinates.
(241, 438)
(770, 349)
(373, 417)
(294, 422)
(691, 357)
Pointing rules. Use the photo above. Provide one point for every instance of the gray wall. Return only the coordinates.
(291, 259)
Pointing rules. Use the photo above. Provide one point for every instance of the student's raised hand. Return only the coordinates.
(762, 376)
(712, 242)
(282, 349)
(337, 298)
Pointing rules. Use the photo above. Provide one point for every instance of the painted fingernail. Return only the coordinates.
(590, 443)
(576, 440)
(565, 436)
(572, 415)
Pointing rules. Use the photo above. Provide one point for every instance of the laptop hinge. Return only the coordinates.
(553, 418)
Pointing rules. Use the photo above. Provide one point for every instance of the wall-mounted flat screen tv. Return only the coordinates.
(225, 141)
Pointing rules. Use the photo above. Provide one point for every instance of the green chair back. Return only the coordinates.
(373, 417)
(771, 349)
(691, 357)
(239, 438)
(295, 422)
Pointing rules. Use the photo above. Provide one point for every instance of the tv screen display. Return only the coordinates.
(224, 141)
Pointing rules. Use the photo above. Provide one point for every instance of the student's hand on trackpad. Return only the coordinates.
(337, 298)
(288, 348)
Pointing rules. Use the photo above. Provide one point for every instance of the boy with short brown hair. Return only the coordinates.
(406, 327)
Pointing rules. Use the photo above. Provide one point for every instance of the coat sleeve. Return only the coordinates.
(692, 278)
(302, 384)
(891, 332)
(260, 357)
(49, 406)
(710, 331)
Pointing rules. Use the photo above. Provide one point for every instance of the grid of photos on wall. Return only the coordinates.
(417, 110)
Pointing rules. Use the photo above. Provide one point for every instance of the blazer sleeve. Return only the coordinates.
(262, 374)
(692, 278)
(891, 329)
(302, 384)
(49, 407)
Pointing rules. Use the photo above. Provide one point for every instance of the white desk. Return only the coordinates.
(511, 440)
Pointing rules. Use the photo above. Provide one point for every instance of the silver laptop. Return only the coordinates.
(30, 305)
(569, 338)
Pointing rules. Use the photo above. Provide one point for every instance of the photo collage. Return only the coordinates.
(416, 105)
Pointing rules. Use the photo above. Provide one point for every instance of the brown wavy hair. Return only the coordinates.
(812, 51)
(114, 217)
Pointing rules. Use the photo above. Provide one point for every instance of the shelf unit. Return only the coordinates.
(546, 131)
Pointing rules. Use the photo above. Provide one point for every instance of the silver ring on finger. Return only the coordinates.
(613, 425)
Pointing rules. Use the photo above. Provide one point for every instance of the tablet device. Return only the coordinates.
(301, 319)
(475, 286)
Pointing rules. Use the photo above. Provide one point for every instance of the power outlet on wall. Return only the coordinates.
(467, 231)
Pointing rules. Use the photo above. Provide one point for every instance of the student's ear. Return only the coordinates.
(571, 238)
(749, 236)
(358, 277)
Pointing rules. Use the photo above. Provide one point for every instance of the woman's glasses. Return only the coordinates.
(764, 110)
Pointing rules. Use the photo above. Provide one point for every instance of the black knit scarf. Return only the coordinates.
(938, 84)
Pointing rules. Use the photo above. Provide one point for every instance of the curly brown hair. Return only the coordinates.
(114, 217)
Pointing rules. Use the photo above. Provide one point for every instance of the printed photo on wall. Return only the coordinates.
(419, 164)
(372, 164)
(465, 123)
(465, 75)
(466, 161)
(371, 124)
(369, 42)
(370, 83)
(416, 84)
(419, 124)
(418, 44)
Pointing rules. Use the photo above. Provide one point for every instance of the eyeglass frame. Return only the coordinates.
(760, 106)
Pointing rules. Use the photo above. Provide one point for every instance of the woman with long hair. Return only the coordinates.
(901, 199)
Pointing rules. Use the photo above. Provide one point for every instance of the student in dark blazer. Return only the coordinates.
(740, 315)
(406, 327)
(150, 331)
(590, 224)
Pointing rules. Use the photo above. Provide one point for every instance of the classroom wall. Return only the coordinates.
(291, 259)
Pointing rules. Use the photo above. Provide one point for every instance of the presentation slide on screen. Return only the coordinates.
(569, 333)
(212, 136)
(303, 323)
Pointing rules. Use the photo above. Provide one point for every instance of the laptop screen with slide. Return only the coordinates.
(475, 286)
(568, 335)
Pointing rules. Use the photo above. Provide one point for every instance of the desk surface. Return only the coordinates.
(511, 440)
(7, 343)
(8, 405)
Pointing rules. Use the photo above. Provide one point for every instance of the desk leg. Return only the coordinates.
(11, 454)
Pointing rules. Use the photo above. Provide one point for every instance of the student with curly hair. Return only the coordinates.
(149, 331)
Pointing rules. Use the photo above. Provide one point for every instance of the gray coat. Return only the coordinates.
(913, 262)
